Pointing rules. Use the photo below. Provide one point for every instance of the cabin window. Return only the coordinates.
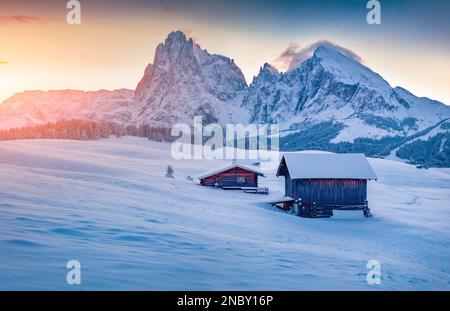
(240, 179)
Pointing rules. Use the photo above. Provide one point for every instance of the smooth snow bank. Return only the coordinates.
(108, 205)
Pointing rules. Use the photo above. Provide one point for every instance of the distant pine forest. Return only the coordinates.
(433, 152)
(86, 130)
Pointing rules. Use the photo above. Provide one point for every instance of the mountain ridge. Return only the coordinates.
(329, 91)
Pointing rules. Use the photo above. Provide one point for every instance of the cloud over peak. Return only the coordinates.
(294, 54)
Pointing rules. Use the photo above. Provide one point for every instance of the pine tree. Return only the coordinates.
(169, 172)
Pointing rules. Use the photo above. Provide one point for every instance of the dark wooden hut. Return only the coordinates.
(319, 183)
(233, 176)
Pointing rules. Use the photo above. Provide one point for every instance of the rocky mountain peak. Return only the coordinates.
(185, 80)
(175, 48)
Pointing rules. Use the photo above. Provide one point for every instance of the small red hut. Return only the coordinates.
(232, 176)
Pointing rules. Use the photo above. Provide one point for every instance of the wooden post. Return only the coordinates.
(366, 209)
(313, 210)
(296, 206)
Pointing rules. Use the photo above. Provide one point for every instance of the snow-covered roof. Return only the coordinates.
(228, 167)
(281, 200)
(333, 165)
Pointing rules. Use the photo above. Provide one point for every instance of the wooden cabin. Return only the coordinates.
(232, 176)
(318, 183)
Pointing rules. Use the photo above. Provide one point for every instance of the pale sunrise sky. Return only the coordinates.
(117, 39)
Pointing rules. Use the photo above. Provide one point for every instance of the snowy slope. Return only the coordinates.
(443, 128)
(107, 204)
(37, 107)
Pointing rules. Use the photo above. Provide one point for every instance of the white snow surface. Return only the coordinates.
(348, 70)
(107, 204)
(329, 165)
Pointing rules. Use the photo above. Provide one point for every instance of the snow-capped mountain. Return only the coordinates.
(185, 81)
(37, 107)
(327, 101)
(333, 87)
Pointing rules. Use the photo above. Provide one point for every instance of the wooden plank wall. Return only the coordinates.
(331, 191)
(229, 178)
(288, 185)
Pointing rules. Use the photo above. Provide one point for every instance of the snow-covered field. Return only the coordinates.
(108, 205)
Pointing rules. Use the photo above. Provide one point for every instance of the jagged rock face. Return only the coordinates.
(185, 81)
(316, 85)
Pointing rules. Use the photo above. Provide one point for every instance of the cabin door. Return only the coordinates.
(289, 189)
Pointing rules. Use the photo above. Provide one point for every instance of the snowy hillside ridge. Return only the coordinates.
(131, 228)
(432, 149)
(38, 107)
